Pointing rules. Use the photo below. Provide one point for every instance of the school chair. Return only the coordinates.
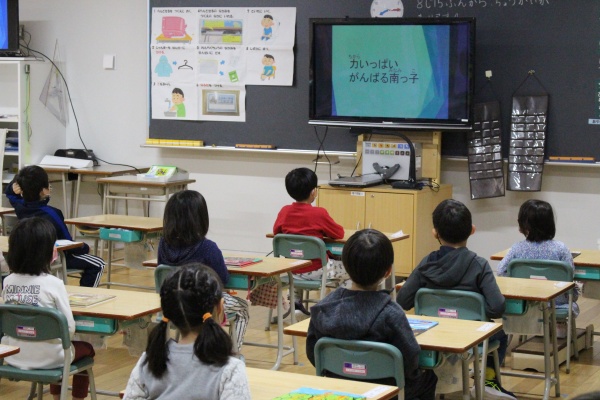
(465, 305)
(374, 359)
(555, 271)
(46, 323)
(302, 248)
(163, 271)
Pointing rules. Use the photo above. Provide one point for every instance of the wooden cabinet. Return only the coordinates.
(389, 210)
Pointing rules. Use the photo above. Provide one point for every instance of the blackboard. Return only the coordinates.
(558, 39)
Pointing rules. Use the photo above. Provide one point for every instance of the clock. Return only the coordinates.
(387, 9)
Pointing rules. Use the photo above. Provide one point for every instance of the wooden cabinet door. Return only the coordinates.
(346, 207)
(389, 213)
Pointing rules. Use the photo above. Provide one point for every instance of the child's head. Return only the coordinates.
(177, 96)
(536, 221)
(452, 222)
(21, 258)
(368, 256)
(34, 183)
(268, 59)
(191, 298)
(267, 21)
(185, 221)
(300, 183)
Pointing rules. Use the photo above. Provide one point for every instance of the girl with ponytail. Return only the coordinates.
(201, 365)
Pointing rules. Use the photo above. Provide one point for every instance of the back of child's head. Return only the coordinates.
(452, 221)
(30, 246)
(536, 221)
(185, 221)
(367, 256)
(300, 182)
(188, 298)
(32, 180)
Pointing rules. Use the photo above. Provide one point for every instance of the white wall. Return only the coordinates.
(244, 190)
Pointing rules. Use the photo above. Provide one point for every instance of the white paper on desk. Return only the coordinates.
(397, 234)
(64, 242)
(66, 162)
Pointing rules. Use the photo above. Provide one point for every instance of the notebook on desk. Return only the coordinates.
(362, 181)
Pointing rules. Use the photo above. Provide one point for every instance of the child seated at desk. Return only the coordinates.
(29, 194)
(536, 223)
(184, 242)
(201, 364)
(301, 218)
(364, 313)
(30, 273)
(456, 267)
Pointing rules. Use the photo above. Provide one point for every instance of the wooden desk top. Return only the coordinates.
(266, 384)
(6, 210)
(6, 350)
(100, 170)
(532, 289)
(587, 258)
(449, 335)
(350, 232)
(127, 305)
(133, 180)
(269, 266)
(136, 223)
(4, 245)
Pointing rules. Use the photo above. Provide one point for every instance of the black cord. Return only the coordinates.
(26, 46)
(360, 157)
(322, 147)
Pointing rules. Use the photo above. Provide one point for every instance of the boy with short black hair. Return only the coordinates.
(455, 267)
(29, 194)
(364, 313)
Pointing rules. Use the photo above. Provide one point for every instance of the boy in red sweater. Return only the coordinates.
(301, 218)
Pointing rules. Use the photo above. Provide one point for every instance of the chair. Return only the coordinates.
(380, 360)
(163, 271)
(555, 271)
(47, 323)
(467, 305)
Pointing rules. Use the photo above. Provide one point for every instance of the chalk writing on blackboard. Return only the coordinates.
(433, 5)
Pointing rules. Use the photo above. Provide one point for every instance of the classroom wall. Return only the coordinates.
(244, 190)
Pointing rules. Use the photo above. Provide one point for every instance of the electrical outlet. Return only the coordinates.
(21, 31)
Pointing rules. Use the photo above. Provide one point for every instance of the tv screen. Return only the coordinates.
(9, 25)
(394, 73)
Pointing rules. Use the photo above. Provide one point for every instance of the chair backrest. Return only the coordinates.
(359, 360)
(552, 270)
(34, 323)
(459, 304)
(300, 247)
(160, 274)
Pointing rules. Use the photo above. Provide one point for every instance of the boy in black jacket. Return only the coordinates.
(455, 267)
(364, 313)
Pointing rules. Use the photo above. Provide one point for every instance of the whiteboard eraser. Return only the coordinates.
(488, 73)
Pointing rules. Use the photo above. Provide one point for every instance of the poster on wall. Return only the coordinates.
(201, 58)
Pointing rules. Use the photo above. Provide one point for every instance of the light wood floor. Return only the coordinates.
(113, 365)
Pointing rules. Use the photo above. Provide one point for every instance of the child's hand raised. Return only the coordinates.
(17, 189)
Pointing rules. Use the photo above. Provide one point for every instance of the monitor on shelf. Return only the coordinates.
(9, 27)
(392, 73)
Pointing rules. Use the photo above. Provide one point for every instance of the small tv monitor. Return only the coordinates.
(392, 73)
(9, 26)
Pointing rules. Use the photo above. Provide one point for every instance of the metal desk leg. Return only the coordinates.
(465, 375)
(280, 347)
(477, 375)
(484, 356)
(555, 349)
(63, 260)
(569, 332)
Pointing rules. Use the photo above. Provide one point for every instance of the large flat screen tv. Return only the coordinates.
(9, 26)
(392, 73)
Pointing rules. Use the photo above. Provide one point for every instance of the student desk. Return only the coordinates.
(6, 350)
(3, 212)
(89, 174)
(145, 225)
(60, 249)
(335, 246)
(266, 385)
(268, 268)
(130, 188)
(543, 291)
(450, 335)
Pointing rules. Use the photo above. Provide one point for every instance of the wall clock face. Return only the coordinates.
(387, 9)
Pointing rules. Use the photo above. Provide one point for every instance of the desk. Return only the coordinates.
(269, 267)
(5, 211)
(60, 249)
(450, 335)
(6, 350)
(143, 224)
(545, 292)
(336, 246)
(119, 187)
(266, 385)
